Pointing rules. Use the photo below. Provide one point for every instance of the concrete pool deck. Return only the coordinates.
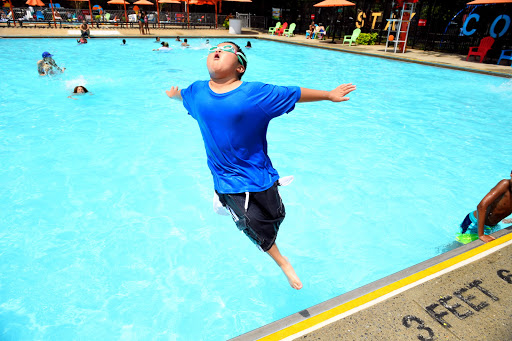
(463, 294)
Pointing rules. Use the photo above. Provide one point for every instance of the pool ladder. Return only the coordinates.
(395, 26)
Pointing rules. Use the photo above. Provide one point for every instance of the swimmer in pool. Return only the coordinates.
(47, 65)
(493, 208)
(164, 47)
(79, 90)
(233, 117)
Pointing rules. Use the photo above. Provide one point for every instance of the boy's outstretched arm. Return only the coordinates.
(336, 95)
(174, 93)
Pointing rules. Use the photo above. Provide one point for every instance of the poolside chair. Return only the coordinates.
(282, 28)
(505, 56)
(289, 31)
(272, 30)
(482, 49)
(39, 15)
(352, 38)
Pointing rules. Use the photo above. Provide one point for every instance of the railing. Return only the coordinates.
(113, 18)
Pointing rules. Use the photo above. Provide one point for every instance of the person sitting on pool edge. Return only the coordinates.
(79, 90)
(84, 30)
(494, 207)
(233, 118)
(47, 65)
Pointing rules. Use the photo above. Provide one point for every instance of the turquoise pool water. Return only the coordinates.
(106, 226)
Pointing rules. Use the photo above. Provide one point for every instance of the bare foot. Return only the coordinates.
(293, 279)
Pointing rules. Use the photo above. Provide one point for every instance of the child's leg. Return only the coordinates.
(285, 265)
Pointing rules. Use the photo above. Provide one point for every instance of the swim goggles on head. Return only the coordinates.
(229, 48)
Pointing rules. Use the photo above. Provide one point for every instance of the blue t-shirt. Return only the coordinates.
(234, 128)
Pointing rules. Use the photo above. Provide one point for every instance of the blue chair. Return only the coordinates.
(505, 56)
(39, 15)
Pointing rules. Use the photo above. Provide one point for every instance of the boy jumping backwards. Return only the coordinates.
(233, 117)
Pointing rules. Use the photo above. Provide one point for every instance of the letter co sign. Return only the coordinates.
(476, 18)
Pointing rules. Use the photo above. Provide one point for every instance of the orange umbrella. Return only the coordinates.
(90, 10)
(334, 3)
(120, 2)
(488, 2)
(35, 3)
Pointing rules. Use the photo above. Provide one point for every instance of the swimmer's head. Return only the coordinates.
(124, 41)
(224, 57)
(157, 38)
(47, 55)
(80, 90)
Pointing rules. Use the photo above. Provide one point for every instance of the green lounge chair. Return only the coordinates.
(289, 31)
(352, 38)
(272, 30)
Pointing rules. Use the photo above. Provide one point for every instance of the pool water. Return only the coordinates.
(107, 229)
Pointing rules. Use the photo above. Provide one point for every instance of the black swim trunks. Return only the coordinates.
(260, 221)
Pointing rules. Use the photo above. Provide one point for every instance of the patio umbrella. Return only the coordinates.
(38, 3)
(334, 3)
(489, 2)
(120, 2)
(90, 10)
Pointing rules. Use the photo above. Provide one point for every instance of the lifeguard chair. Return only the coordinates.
(398, 28)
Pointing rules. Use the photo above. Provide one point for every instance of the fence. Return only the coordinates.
(67, 16)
